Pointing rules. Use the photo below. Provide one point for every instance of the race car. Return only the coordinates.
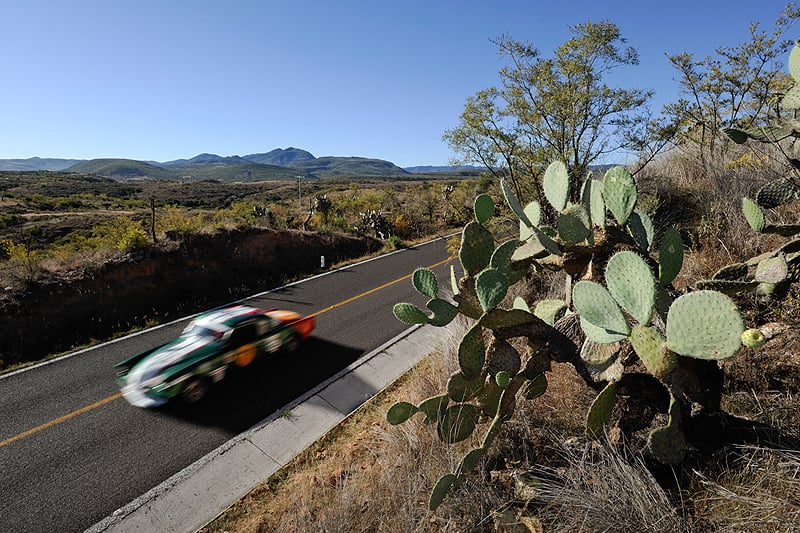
(210, 346)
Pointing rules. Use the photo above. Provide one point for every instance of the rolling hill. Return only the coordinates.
(277, 164)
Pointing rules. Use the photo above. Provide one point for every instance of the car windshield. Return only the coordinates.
(196, 330)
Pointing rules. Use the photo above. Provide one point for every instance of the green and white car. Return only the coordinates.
(211, 344)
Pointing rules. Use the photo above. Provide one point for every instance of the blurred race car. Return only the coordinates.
(211, 344)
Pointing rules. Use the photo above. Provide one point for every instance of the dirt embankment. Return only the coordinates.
(156, 284)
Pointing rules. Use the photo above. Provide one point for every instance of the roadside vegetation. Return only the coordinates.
(453, 447)
(717, 170)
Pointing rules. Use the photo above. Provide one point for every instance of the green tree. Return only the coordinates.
(554, 108)
(738, 87)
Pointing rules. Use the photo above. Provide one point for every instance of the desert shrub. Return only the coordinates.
(177, 220)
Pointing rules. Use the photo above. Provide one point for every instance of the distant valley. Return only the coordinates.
(278, 164)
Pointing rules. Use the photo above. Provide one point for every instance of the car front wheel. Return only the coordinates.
(194, 391)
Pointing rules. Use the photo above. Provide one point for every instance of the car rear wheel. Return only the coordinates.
(292, 343)
(194, 391)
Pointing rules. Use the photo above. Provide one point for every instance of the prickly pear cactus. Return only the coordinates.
(625, 300)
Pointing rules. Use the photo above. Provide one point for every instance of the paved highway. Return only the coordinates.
(72, 450)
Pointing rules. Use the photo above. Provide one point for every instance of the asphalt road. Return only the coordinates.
(72, 450)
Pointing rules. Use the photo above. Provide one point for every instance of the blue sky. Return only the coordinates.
(169, 79)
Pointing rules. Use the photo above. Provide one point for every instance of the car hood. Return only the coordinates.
(157, 363)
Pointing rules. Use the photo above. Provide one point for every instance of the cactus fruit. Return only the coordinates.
(477, 246)
(704, 325)
(483, 208)
(642, 230)
(556, 185)
(670, 256)
(651, 348)
(753, 338)
(600, 411)
(619, 193)
(631, 283)
(596, 306)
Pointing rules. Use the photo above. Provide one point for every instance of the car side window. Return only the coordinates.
(245, 333)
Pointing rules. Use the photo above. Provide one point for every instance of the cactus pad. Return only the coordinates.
(443, 312)
(477, 246)
(556, 185)
(668, 444)
(753, 214)
(434, 407)
(705, 325)
(631, 283)
(670, 256)
(400, 412)
(458, 422)
(574, 225)
(440, 490)
(533, 211)
(424, 280)
(600, 411)
(592, 200)
(726, 286)
(461, 389)
(791, 100)
(471, 352)
(491, 287)
(535, 387)
(641, 229)
(409, 313)
(502, 357)
(651, 348)
(513, 203)
(471, 460)
(596, 305)
(777, 193)
(772, 270)
(484, 208)
(732, 272)
(794, 63)
(619, 193)
(550, 310)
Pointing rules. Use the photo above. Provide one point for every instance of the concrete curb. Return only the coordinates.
(196, 495)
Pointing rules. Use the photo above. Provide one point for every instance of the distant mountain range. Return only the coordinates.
(278, 164)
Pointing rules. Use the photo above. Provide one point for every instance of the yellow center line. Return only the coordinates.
(376, 289)
(64, 418)
(117, 396)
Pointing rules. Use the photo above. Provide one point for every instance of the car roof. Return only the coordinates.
(227, 317)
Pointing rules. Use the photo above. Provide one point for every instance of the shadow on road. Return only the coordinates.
(251, 394)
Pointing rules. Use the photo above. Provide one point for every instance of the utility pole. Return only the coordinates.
(299, 200)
